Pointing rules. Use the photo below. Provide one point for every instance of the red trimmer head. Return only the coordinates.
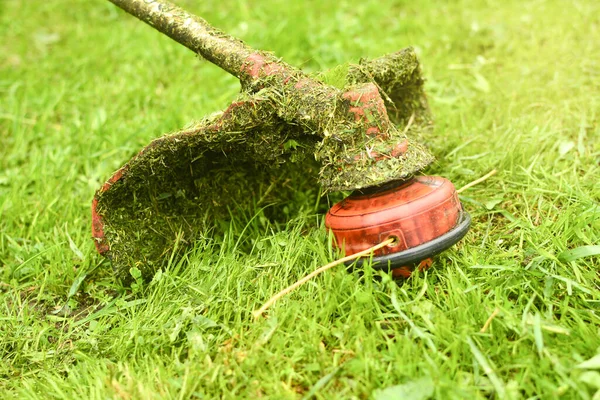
(423, 215)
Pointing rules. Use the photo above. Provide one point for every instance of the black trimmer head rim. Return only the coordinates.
(415, 255)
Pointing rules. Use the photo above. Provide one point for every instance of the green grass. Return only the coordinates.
(513, 85)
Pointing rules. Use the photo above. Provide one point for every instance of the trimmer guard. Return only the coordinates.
(302, 132)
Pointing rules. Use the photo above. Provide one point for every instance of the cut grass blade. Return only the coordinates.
(579, 252)
(487, 369)
(321, 383)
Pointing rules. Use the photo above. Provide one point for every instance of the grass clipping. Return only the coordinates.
(349, 129)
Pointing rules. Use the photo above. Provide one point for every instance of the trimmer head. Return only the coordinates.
(423, 215)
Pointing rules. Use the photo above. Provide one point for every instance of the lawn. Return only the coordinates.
(509, 312)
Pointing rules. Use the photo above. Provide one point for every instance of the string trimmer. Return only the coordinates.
(359, 132)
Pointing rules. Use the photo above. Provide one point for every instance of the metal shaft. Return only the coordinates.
(191, 31)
